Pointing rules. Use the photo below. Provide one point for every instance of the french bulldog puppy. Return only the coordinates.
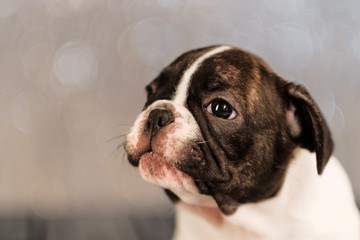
(242, 153)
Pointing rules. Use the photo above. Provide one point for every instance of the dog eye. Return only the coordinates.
(221, 109)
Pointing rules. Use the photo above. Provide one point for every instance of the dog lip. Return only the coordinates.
(151, 152)
(160, 159)
(156, 170)
(156, 160)
(134, 159)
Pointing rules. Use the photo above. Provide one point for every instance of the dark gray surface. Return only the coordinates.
(13, 229)
(153, 226)
(124, 227)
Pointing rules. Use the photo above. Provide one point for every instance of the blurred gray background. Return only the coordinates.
(72, 77)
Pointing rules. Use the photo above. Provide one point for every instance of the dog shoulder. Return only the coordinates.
(308, 206)
(325, 201)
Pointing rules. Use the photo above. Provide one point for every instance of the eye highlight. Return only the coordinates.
(221, 109)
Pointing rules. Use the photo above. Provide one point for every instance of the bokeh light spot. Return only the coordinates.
(75, 64)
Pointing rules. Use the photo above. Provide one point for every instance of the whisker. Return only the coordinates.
(116, 137)
(115, 152)
(122, 144)
(123, 157)
(202, 142)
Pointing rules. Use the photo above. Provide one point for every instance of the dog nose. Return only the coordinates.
(157, 119)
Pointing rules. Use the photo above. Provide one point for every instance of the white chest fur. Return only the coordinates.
(308, 206)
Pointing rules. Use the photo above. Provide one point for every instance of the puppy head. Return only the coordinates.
(220, 125)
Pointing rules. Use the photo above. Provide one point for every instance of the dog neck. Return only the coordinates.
(301, 200)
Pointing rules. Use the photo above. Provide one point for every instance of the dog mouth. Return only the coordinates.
(156, 170)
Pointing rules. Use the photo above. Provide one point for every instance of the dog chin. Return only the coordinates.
(154, 169)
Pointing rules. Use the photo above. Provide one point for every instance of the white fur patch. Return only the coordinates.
(183, 87)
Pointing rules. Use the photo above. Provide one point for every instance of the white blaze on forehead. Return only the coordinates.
(182, 89)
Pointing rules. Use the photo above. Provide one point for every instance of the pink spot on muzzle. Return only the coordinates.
(157, 171)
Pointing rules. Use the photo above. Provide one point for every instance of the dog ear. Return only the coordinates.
(307, 125)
